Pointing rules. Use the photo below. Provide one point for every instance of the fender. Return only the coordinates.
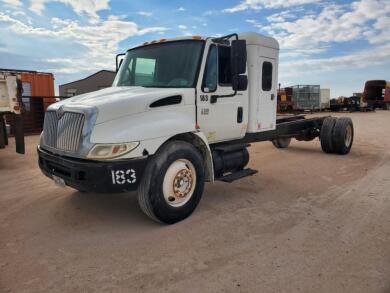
(151, 128)
(208, 157)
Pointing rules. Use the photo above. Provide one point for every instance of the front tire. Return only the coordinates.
(173, 183)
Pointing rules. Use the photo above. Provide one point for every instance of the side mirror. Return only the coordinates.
(118, 64)
(238, 57)
(240, 82)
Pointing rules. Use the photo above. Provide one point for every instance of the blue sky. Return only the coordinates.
(337, 44)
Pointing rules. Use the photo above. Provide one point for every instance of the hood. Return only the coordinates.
(115, 102)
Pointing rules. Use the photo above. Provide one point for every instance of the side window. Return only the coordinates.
(266, 82)
(224, 69)
(209, 83)
(144, 70)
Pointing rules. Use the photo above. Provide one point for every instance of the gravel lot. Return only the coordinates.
(307, 222)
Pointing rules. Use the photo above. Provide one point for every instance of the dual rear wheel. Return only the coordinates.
(336, 135)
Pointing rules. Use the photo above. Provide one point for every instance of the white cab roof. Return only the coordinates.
(260, 40)
(250, 37)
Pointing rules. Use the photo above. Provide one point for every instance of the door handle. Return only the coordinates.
(239, 114)
(272, 97)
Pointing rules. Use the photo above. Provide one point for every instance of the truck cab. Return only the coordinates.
(180, 112)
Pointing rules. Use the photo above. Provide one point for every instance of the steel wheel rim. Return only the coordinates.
(348, 136)
(179, 183)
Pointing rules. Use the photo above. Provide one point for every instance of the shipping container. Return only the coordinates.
(38, 94)
(325, 98)
(306, 97)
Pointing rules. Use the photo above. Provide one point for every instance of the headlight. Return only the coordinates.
(109, 151)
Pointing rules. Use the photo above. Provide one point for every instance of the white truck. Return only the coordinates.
(10, 104)
(180, 112)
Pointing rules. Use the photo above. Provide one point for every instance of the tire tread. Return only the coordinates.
(326, 134)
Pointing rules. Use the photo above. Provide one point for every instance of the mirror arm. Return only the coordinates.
(214, 98)
(116, 60)
(223, 38)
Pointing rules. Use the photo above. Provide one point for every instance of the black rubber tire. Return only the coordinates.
(326, 134)
(340, 143)
(150, 192)
(81, 190)
(281, 143)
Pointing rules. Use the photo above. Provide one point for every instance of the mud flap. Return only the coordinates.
(19, 134)
(3, 133)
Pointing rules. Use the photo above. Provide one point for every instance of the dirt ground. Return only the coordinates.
(307, 222)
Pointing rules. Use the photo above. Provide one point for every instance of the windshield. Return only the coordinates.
(171, 64)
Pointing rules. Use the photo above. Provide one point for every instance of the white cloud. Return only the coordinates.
(211, 12)
(281, 16)
(260, 4)
(18, 12)
(362, 59)
(145, 13)
(252, 21)
(181, 9)
(100, 39)
(182, 27)
(15, 3)
(87, 7)
(361, 20)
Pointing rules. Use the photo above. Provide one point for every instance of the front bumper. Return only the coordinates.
(93, 176)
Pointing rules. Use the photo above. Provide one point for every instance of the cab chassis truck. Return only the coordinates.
(180, 112)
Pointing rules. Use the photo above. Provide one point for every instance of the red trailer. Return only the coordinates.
(377, 94)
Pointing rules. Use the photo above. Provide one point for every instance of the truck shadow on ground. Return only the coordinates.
(307, 150)
(118, 209)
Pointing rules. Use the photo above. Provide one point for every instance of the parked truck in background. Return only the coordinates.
(10, 104)
(181, 112)
(377, 94)
(351, 104)
(285, 103)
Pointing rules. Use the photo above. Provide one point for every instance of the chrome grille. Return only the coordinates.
(50, 129)
(64, 133)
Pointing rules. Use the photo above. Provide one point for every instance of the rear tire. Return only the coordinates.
(173, 183)
(326, 134)
(343, 134)
(281, 143)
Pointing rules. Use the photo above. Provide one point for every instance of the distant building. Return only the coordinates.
(97, 81)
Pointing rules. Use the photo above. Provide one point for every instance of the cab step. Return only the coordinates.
(237, 175)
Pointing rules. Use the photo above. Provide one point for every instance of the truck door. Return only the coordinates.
(225, 119)
(266, 111)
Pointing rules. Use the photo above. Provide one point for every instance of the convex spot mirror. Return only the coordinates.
(240, 82)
